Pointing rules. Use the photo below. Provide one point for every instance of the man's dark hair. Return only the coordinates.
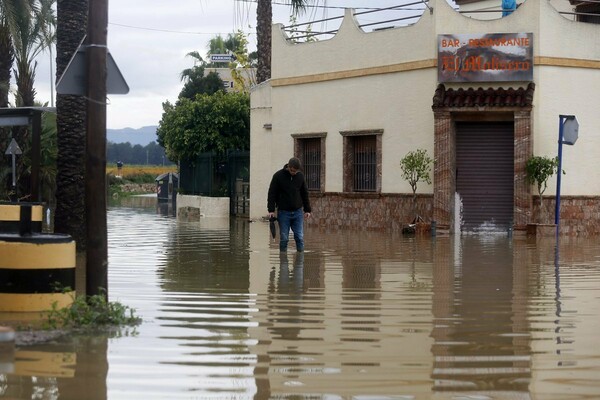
(294, 163)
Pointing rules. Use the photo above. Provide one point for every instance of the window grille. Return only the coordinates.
(311, 163)
(365, 164)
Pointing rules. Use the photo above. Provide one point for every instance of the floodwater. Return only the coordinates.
(359, 315)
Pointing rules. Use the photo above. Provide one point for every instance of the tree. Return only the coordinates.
(28, 38)
(200, 84)
(188, 73)
(194, 80)
(264, 20)
(416, 166)
(71, 127)
(539, 169)
(9, 10)
(242, 68)
(217, 122)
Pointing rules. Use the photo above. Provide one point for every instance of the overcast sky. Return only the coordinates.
(149, 39)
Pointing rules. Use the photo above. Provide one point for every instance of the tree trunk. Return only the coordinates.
(71, 127)
(6, 60)
(542, 211)
(25, 77)
(264, 19)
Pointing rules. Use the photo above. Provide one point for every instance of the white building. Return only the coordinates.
(351, 107)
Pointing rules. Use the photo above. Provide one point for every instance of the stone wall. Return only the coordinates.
(367, 211)
(580, 215)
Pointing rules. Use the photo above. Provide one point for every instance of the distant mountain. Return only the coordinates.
(141, 136)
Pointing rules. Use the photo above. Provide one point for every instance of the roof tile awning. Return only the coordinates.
(480, 97)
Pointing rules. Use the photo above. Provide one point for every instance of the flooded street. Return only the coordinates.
(359, 315)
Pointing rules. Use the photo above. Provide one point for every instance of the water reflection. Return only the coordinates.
(482, 341)
(358, 315)
(62, 370)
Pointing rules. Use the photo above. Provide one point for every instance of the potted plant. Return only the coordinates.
(416, 167)
(539, 169)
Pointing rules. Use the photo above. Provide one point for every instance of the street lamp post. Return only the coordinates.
(568, 132)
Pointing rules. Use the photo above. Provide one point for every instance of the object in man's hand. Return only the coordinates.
(272, 225)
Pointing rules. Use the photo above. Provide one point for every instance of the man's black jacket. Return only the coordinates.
(287, 192)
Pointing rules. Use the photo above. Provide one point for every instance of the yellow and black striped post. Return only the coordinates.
(11, 214)
(35, 270)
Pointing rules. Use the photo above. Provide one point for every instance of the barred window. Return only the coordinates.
(362, 160)
(311, 162)
(365, 164)
(310, 149)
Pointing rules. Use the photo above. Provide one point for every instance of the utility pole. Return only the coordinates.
(95, 165)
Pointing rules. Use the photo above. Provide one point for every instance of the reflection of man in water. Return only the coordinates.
(295, 282)
(287, 288)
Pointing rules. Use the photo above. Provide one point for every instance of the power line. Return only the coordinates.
(371, 10)
(313, 5)
(165, 30)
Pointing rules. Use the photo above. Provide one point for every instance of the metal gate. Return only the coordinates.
(485, 175)
(239, 182)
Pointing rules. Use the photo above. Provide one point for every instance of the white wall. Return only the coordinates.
(386, 80)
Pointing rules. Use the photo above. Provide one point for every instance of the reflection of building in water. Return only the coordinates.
(480, 318)
(355, 319)
(54, 371)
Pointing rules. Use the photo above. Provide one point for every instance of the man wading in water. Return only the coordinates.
(289, 195)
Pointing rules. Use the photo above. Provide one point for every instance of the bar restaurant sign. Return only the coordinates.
(486, 57)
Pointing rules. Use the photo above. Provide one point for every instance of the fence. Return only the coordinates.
(213, 175)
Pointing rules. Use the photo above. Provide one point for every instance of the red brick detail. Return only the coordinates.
(490, 104)
(444, 170)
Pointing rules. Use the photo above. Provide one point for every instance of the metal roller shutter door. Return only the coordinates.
(485, 175)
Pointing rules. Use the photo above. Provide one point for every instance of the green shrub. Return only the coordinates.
(416, 166)
(90, 312)
(539, 169)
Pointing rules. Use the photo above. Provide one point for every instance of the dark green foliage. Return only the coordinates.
(217, 123)
(197, 83)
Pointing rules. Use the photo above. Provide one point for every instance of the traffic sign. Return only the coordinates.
(74, 79)
(570, 130)
(13, 150)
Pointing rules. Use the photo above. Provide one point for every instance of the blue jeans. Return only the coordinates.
(294, 220)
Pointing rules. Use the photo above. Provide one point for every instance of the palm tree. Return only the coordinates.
(219, 45)
(6, 60)
(264, 20)
(48, 36)
(8, 15)
(32, 20)
(198, 68)
(23, 22)
(71, 127)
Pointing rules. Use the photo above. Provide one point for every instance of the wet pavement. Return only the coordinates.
(359, 315)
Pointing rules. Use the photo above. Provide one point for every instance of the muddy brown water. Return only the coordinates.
(359, 315)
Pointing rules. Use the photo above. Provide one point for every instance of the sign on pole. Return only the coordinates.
(568, 132)
(13, 150)
(74, 79)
